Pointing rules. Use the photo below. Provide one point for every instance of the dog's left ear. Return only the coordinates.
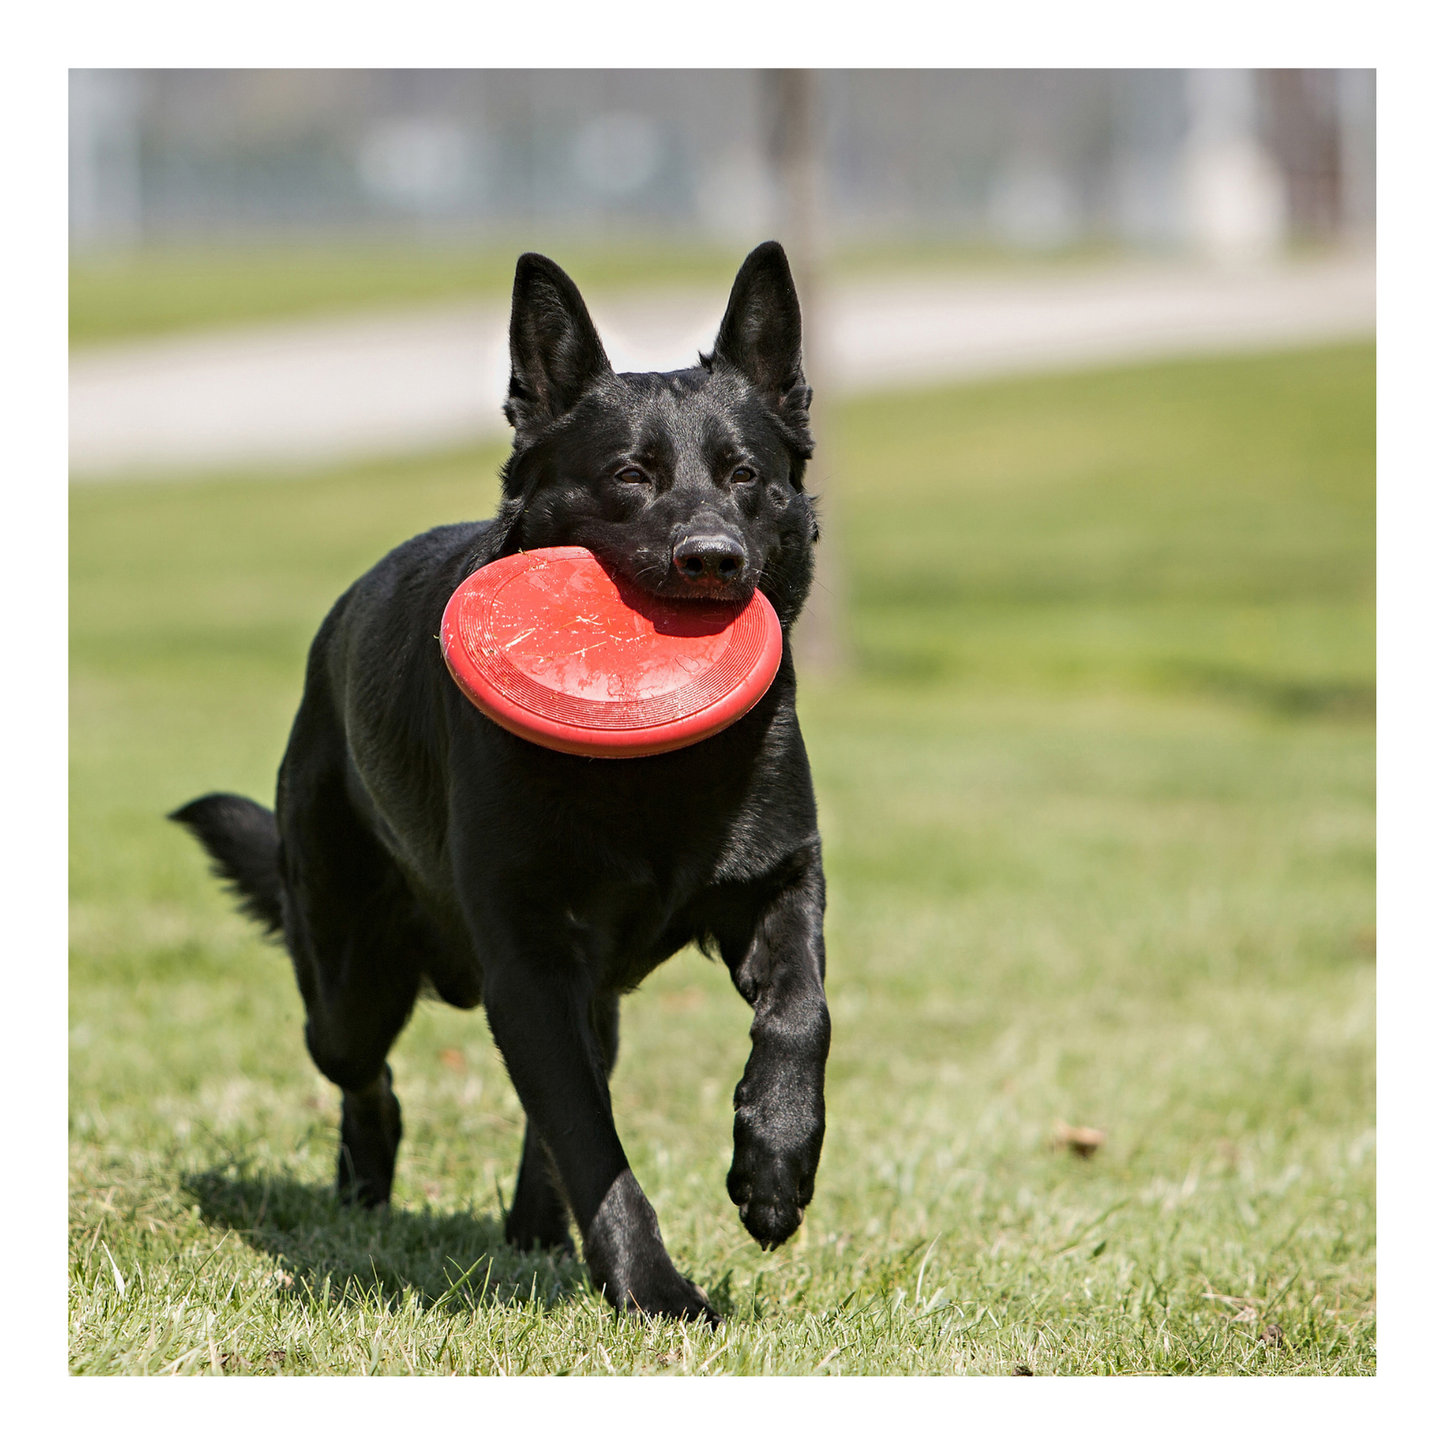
(762, 331)
(556, 352)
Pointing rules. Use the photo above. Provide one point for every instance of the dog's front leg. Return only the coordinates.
(539, 1010)
(778, 1126)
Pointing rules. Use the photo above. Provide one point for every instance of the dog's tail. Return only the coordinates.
(245, 850)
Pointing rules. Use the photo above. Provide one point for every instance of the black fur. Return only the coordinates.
(416, 843)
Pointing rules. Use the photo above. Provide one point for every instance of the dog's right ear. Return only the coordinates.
(556, 352)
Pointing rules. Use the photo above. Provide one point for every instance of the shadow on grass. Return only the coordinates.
(1339, 701)
(449, 1261)
(922, 664)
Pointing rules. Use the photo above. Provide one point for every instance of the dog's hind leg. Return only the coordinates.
(370, 1137)
(538, 1217)
(358, 1000)
(359, 990)
(360, 947)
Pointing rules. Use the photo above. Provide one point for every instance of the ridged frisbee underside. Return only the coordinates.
(558, 650)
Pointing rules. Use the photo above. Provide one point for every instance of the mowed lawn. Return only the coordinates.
(1098, 811)
(156, 289)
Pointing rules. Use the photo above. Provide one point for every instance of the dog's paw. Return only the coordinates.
(370, 1135)
(629, 1262)
(658, 1296)
(770, 1186)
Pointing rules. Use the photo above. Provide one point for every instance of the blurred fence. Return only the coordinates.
(1223, 160)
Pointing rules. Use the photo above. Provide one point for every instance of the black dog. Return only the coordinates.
(417, 843)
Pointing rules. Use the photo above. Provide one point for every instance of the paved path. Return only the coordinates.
(387, 382)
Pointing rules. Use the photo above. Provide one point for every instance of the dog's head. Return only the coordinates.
(688, 483)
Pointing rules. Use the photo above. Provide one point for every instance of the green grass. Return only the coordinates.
(178, 288)
(1098, 817)
(1193, 526)
(158, 289)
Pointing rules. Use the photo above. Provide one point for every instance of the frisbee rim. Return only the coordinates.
(580, 740)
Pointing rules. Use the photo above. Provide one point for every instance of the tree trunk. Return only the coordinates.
(794, 140)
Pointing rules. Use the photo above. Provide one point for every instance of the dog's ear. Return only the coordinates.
(556, 352)
(762, 330)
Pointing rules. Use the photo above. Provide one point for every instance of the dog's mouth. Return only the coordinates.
(707, 589)
(718, 578)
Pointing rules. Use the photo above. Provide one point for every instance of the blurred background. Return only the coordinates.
(1038, 160)
(1088, 677)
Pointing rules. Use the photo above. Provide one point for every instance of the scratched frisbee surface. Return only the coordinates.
(554, 647)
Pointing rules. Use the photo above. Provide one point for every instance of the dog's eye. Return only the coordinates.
(630, 474)
(743, 474)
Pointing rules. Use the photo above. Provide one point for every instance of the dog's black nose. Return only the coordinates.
(710, 556)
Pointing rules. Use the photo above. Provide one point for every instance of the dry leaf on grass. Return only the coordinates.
(1082, 1141)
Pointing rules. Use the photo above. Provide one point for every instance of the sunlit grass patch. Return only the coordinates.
(1093, 865)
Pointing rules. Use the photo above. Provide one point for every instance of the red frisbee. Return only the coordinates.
(555, 648)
